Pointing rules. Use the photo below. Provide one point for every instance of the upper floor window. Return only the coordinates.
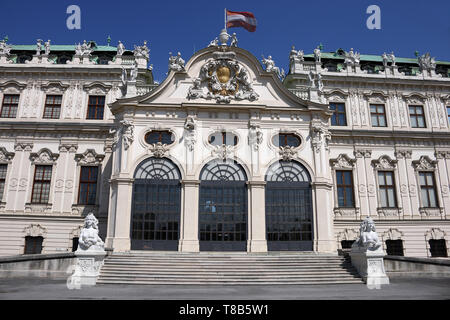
(52, 109)
(387, 189)
(345, 193)
(10, 105)
(88, 185)
(378, 115)
(417, 117)
(41, 184)
(163, 136)
(338, 118)
(220, 138)
(428, 189)
(286, 140)
(96, 107)
(3, 168)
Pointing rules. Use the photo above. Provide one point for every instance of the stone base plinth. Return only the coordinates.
(370, 266)
(87, 268)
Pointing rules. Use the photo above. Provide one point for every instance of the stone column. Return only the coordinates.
(119, 218)
(361, 183)
(257, 241)
(324, 228)
(442, 181)
(403, 183)
(189, 241)
(414, 189)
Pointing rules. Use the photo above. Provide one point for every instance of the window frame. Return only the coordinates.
(378, 115)
(336, 113)
(389, 247)
(89, 183)
(286, 134)
(52, 106)
(345, 186)
(3, 180)
(386, 188)
(434, 188)
(416, 116)
(173, 138)
(10, 105)
(49, 181)
(96, 106)
(33, 243)
(448, 114)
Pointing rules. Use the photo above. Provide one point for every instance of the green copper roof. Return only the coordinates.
(60, 48)
(370, 57)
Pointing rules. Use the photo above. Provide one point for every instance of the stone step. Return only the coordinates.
(227, 273)
(228, 282)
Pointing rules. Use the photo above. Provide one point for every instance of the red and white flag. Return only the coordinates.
(241, 19)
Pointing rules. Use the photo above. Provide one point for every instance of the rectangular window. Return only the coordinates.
(96, 107)
(394, 247)
(345, 193)
(3, 168)
(347, 244)
(386, 184)
(52, 108)
(33, 245)
(417, 117)
(338, 118)
(428, 190)
(438, 248)
(88, 185)
(41, 184)
(10, 105)
(378, 115)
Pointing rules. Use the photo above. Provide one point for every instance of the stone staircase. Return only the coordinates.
(163, 268)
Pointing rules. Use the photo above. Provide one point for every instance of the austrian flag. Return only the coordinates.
(241, 19)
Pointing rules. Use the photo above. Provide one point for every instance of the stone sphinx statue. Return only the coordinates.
(89, 239)
(368, 237)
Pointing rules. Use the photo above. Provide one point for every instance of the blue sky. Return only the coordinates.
(187, 26)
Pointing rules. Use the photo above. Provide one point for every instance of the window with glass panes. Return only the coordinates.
(438, 248)
(10, 106)
(339, 117)
(378, 115)
(428, 190)
(344, 184)
(33, 245)
(88, 185)
(417, 117)
(386, 186)
(3, 168)
(96, 107)
(41, 184)
(52, 108)
(286, 139)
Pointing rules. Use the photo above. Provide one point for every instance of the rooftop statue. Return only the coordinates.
(214, 43)
(270, 67)
(234, 40)
(385, 59)
(317, 55)
(82, 49)
(368, 237)
(134, 72)
(426, 62)
(120, 48)
(89, 238)
(352, 58)
(392, 58)
(4, 48)
(176, 63)
(47, 47)
(38, 47)
(142, 51)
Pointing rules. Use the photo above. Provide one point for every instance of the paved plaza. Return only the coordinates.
(400, 288)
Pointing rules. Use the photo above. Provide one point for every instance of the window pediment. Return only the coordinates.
(384, 163)
(12, 87)
(343, 161)
(89, 157)
(44, 156)
(5, 156)
(424, 163)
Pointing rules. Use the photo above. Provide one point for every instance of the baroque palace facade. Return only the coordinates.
(225, 154)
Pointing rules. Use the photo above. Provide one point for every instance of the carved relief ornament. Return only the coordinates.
(89, 157)
(343, 161)
(44, 156)
(5, 156)
(223, 78)
(424, 163)
(384, 163)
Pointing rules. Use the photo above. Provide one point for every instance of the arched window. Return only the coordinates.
(289, 210)
(156, 205)
(223, 207)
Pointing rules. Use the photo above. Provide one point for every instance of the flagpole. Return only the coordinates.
(225, 18)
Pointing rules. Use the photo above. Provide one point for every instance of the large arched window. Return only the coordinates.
(223, 207)
(156, 205)
(288, 207)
